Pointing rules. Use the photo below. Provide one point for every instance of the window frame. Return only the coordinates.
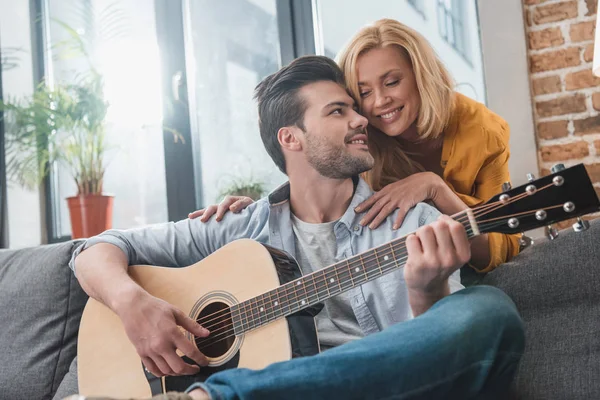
(3, 190)
(418, 6)
(184, 189)
(456, 15)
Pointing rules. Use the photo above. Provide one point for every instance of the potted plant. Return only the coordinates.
(243, 187)
(63, 123)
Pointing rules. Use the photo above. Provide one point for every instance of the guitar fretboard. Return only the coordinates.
(320, 285)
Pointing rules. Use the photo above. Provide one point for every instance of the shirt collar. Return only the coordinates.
(350, 219)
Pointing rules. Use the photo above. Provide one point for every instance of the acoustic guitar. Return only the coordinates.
(260, 309)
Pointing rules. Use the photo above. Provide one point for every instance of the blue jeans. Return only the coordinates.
(466, 346)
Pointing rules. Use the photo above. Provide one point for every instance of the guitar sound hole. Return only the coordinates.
(216, 317)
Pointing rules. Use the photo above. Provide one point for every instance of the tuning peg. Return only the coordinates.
(552, 232)
(581, 225)
(525, 241)
(557, 167)
(530, 177)
(506, 186)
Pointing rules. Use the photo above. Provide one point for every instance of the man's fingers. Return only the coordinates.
(196, 214)
(460, 242)
(427, 237)
(162, 365)
(190, 325)
(178, 366)
(413, 246)
(190, 350)
(445, 250)
(208, 212)
(151, 367)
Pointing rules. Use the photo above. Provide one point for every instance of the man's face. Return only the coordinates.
(336, 137)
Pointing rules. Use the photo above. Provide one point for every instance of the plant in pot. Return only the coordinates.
(254, 189)
(63, 123)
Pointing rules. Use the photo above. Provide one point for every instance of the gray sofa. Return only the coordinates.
(556, 286)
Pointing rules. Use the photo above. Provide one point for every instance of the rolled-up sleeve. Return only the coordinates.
(182, 243)
(489, 180)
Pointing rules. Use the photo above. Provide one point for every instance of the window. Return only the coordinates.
(20, 205)
(222, 72)
(452, 26)
(191, 65)
(187, 66)
(123, 47)
(467, 73)
(418, 5)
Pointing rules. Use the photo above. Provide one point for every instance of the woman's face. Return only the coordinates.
(388, 90)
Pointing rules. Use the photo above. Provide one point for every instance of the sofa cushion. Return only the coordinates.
(69, 385)
(556, 287)
(42, 305)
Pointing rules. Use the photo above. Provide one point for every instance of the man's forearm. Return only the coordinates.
(102, 273)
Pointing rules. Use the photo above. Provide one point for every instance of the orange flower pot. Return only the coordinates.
(91, 214)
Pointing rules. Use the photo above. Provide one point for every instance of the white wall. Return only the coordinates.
(24, 217)
(507, 80)
(339, 26)
(507, 83)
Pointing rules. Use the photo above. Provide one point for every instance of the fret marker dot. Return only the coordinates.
(297, 283)
(262, 309)
(303, 302)
(332, 280)
(357, 269)
(276, 303)
(386, 258)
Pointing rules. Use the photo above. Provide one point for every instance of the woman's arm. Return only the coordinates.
(488, 183)
(449, 203)
(406, 193)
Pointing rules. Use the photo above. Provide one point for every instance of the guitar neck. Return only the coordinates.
(325, 283)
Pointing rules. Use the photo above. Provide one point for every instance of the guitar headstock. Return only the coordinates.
(565, 194)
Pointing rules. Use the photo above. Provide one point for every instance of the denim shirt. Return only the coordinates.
(376, 304)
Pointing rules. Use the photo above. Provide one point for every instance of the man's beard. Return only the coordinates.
(335, 161)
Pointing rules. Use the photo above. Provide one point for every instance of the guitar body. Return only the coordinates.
(108, 364)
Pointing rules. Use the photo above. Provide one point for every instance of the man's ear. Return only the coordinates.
(289, 138)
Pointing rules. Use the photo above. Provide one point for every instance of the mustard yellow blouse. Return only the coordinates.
(475, 156)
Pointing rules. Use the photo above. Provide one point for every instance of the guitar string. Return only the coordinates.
(319, 292)
(209, 341)
(212, 340)
(206, 319)
(477, 211)
(248, 306)
(265, 318)
(460, 218)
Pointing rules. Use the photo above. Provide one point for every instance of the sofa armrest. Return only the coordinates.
(42, 305)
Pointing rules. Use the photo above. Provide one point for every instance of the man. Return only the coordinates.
(460, 346)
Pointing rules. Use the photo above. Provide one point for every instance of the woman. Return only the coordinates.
(429, 142)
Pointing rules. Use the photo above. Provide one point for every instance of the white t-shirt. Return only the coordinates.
(316, 248)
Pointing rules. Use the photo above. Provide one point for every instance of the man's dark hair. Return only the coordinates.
(280, 104)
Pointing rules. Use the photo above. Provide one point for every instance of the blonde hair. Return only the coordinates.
(434, 83)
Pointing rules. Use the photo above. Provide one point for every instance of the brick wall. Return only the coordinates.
(566, 96)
